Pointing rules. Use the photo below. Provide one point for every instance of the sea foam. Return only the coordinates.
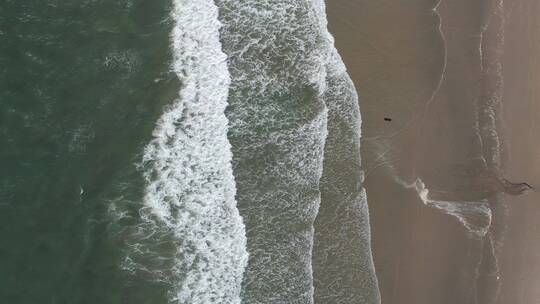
(343, 265)
(279, 54)
(190, 189)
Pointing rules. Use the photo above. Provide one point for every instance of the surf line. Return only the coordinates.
(190, 188)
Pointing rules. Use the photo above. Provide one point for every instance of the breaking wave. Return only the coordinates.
(192, 236)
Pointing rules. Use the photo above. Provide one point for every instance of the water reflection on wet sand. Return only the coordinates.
(450, 134)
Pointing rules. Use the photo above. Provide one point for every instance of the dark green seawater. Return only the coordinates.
(82, 84)
(158, 152)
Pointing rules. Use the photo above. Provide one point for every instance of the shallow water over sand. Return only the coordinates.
(436, 70)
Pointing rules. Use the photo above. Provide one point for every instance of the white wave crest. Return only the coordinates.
(190, 188)
(280, 55)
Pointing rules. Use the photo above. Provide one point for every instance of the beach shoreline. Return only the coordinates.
(397, 57)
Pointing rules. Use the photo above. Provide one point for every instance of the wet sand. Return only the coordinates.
(520, 267)
(396, 55)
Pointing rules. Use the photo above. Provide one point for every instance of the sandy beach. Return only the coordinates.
(437, 70)
(520, 271)
(303, 152)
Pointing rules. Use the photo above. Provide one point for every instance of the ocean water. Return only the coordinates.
(181, 151)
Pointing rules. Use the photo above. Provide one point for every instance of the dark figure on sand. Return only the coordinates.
(490, 183)
(473, 184)
(515, 189)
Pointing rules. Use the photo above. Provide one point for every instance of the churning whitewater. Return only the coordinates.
(191, 238)
(278, 121)
(190, 186)
(280, 56)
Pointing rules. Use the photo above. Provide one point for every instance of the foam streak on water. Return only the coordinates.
(475, 216)
(277, 55)
(190, 187)
(280, 54)
(342, 260)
